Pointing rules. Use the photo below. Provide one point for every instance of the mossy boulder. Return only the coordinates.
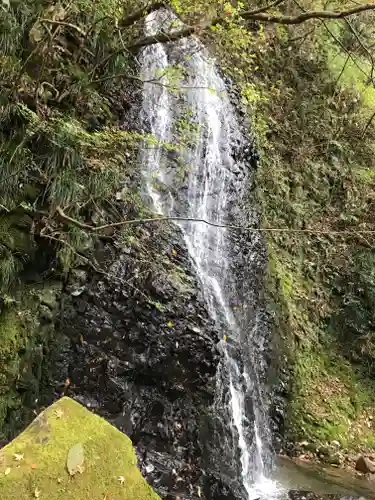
(34, 465)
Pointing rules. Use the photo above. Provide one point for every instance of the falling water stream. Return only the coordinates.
(198, 184)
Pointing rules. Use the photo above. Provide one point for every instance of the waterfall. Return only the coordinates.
(198, 182)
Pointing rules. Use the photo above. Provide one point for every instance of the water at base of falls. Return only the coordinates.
(200, 181)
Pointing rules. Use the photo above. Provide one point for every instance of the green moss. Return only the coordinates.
(26, 327)
(11, 332)
(108, 455)
(329, 399)
(316, 173)
(13, 237)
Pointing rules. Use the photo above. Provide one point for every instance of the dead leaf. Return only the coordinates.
(75, 459)
(58, 413)
(36, 33)
(7, 471)
(81, 469)
(55, 12)
(37, 493)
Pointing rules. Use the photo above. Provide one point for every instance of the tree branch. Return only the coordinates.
(163, 37)
(266, 7)
(368, 124)
(141, 13)
(364, 48)
(95, 229)
(259, 14)
(306, 16)
(153, 81)
(63, 23)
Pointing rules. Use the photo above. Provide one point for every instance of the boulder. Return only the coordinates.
(365, 465)
(68, 452)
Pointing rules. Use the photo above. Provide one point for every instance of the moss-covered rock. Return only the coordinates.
(26, 327)
(34, 465)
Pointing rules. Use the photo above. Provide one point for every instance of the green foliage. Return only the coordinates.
(316, 173)
(60, 139)
(354, 319)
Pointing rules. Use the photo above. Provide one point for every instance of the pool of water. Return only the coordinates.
(322, 480)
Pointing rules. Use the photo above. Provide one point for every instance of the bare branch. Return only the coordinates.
(259, 14)
(306, 16)
(164, 37)
(364, 48)
(126, 76)
(96, 229)
(368, 124)
(267, 7)
(141, 13)
(62, 23)
(341, 73)
(153, 81)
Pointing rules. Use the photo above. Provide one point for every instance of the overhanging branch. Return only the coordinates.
(259, 15)
(141, 13)
(97, 229)
(306, 16)
(163, 37)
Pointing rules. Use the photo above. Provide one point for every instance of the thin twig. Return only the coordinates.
(337, 40)
(141, 13)
(306, 16)
(341, 73)
(266, 7)
(95, 229)
(368, 124)
(363, 47)
(134, 78)
(91, 264)
(63, 23)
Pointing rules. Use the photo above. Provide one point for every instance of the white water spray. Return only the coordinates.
(209, 166)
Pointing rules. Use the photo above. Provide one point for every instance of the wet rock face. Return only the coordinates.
(140, 350)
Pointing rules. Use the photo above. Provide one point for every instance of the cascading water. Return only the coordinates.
(196, 183)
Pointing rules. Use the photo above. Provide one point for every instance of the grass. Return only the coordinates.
(44, 448)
